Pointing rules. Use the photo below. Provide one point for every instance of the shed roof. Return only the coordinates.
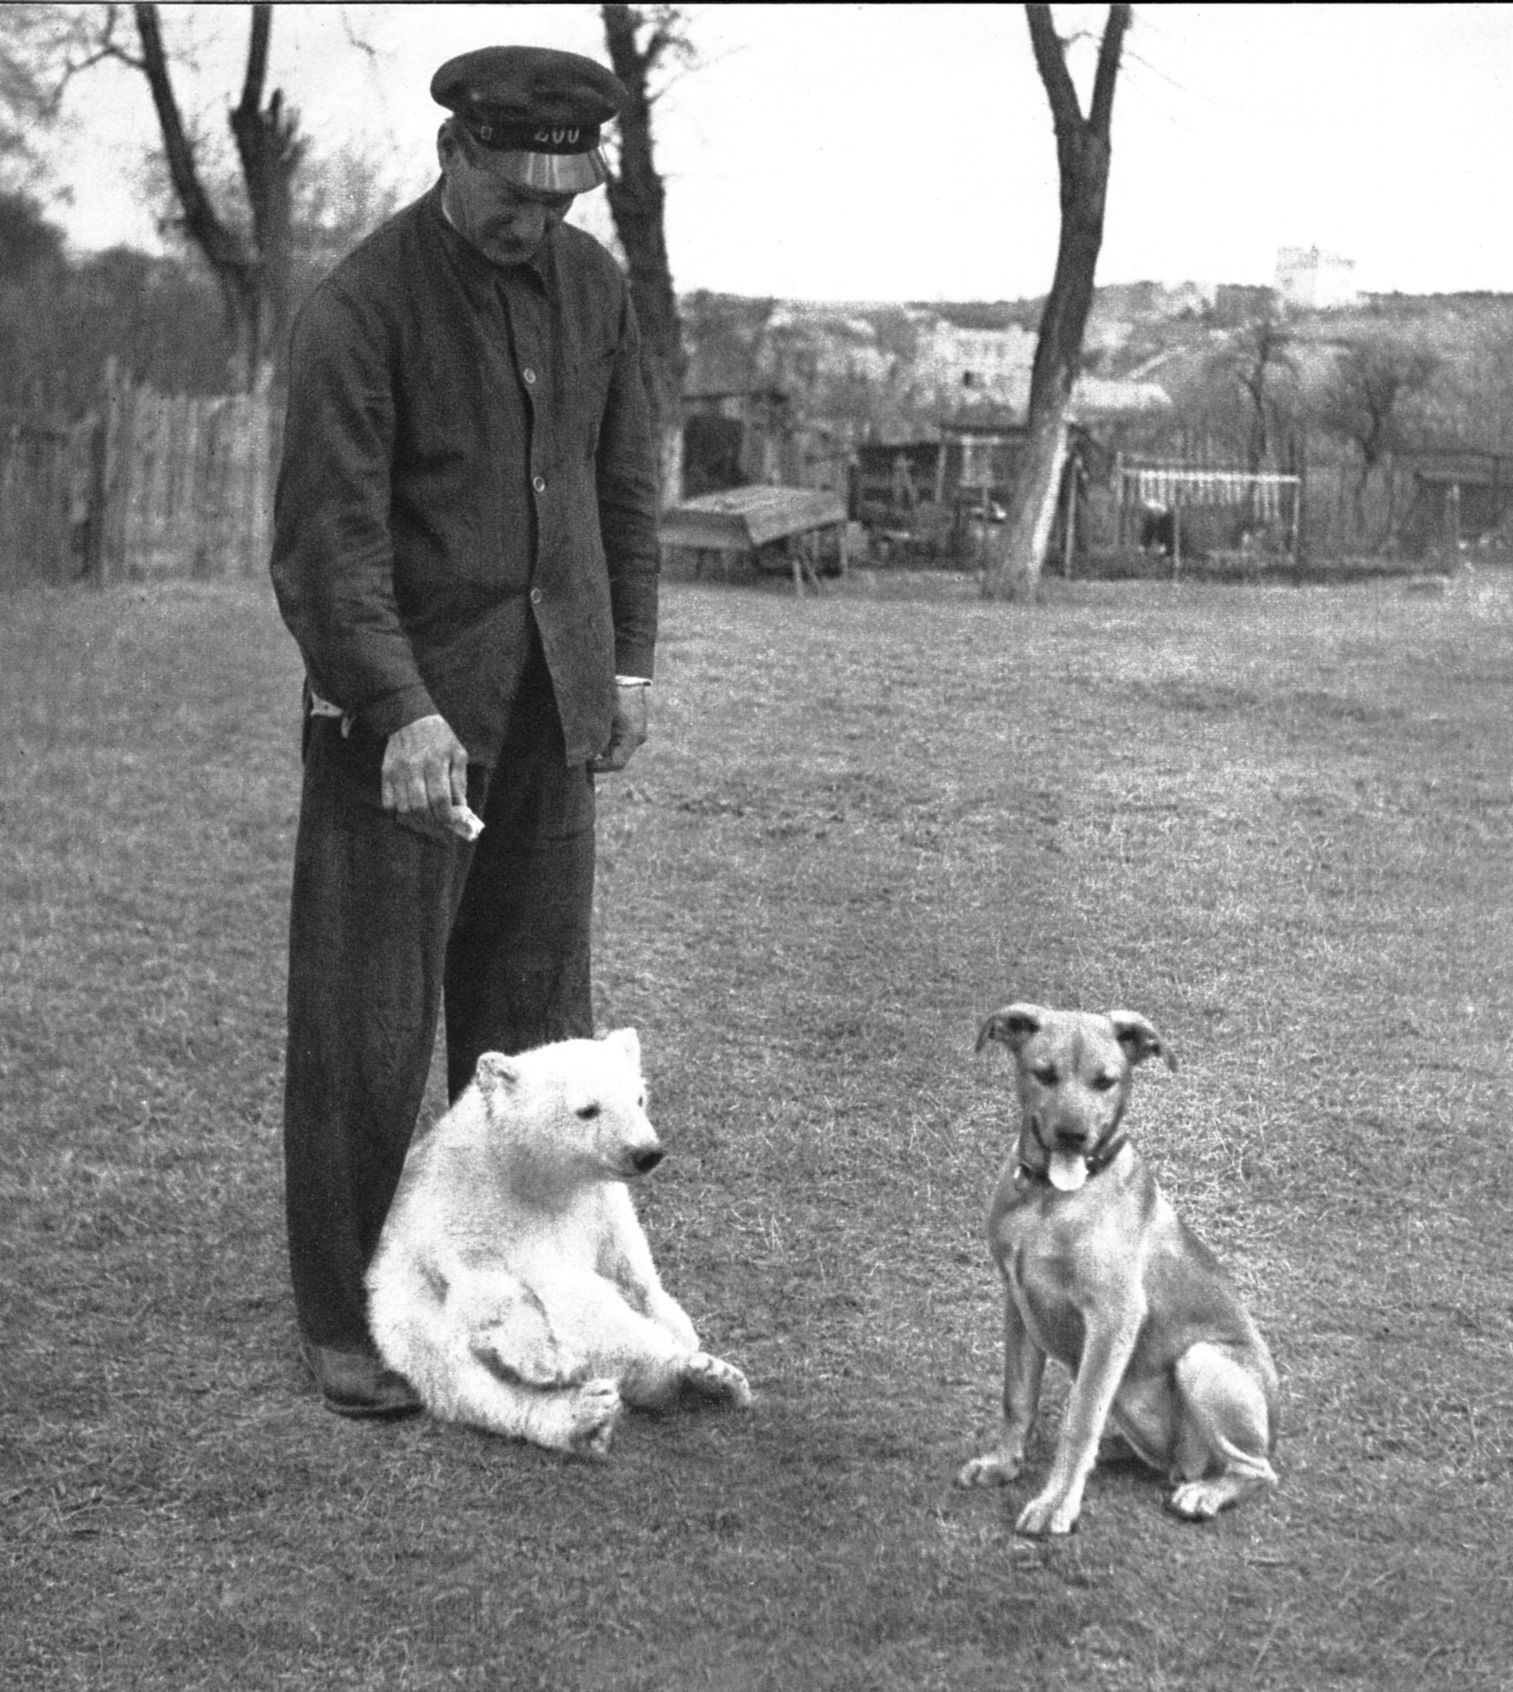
(741, 519)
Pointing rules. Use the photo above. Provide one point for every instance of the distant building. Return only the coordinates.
(976, 365)
(737, 437)
(1309, 279)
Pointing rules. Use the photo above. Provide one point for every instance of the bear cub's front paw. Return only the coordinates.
(713, 1377)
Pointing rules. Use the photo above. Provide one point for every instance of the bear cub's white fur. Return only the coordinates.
(513, 1286)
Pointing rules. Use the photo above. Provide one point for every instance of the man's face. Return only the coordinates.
(506, 223)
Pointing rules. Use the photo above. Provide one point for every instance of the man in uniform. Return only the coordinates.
(465, 551)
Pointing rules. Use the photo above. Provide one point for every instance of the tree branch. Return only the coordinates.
(257, 60)
(1100, 116)
(104, 48)
(1050, 61)
(214, 239)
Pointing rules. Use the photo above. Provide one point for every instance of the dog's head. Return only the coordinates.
(1074, 1071)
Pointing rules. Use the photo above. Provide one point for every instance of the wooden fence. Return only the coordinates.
(43, 500)
(151, 485)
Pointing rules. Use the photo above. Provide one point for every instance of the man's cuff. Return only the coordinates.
(394, 712)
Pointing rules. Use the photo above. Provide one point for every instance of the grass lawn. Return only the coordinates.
(1274, 820)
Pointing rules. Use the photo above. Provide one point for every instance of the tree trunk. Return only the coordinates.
(253, 273)
(1016, 553)
(637, 202)
(270, 151)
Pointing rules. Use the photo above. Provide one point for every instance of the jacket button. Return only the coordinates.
(539, 483)
(528, 374)
(535, 596)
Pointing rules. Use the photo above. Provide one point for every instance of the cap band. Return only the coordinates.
(501, 137)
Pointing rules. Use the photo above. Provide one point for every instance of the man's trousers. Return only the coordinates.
(393, 917)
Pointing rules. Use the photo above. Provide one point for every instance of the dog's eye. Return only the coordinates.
(1103, 1083)
(588, 1112)
(1045, 1074)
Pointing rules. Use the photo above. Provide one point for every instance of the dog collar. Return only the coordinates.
(1103, 1156)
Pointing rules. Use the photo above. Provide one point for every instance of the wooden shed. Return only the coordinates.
(1462, 497)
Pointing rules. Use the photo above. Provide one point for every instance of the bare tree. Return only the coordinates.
(1363, 404)
(34, 41)
(251, 257)
(23, 99)
(1257, 362)
(1083, 152)
(641, 39)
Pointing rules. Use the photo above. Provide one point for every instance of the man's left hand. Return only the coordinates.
(627, 731)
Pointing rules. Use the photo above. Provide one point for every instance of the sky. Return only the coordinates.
(891, 152)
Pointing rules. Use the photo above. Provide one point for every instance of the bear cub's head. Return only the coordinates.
(579, 1105)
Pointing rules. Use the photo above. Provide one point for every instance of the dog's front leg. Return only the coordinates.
(1023, 1371)
(1105, 1356)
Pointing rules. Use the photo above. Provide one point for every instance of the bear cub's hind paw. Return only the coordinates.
(595, 1413)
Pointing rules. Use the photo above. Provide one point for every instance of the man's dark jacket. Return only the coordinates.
(467, 448)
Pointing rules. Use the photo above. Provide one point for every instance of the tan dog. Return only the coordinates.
(1103, 1275)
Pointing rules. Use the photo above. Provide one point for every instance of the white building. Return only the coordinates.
(1309, 279)
(989, 366)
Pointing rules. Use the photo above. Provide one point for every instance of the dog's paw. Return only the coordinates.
(1202, 1500)
(991, 1470)
(1047, 1514)
(595, 1412)
(713, 1377)
(1199, 1501)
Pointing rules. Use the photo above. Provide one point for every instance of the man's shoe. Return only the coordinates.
(357, 1383)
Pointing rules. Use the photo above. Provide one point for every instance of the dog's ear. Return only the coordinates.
(1011, 1026)
(495, 1071)
(1139, 1039)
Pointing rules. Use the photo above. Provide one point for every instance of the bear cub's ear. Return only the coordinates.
(627, 1041)
(494, 1071)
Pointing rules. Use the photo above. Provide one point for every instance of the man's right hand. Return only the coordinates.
(425, 768)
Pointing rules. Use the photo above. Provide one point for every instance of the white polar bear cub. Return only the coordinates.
(513, 1286)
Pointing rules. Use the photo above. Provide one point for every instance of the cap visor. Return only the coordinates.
(552, 173)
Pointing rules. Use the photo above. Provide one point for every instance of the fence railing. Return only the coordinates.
(1225, 509)
(150, 485)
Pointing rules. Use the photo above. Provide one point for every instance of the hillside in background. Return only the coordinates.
(1170, 376)
(892, 370)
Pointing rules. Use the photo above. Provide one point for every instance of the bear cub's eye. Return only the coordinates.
(588, 1112)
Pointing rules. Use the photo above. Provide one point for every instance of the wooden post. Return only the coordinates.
(94, 520)
(112, 490)
(1119, 528)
